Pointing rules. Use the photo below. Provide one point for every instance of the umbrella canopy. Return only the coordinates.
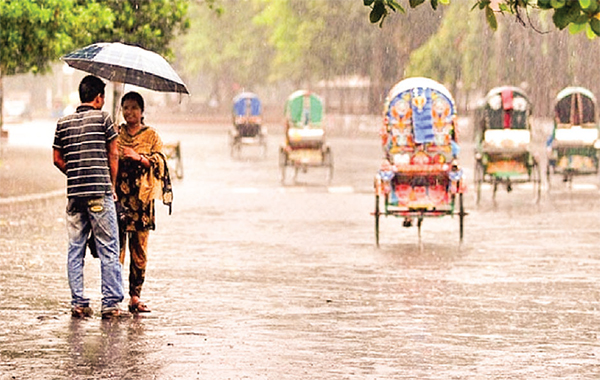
(128, 64)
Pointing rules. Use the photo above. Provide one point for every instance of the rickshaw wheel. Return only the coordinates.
(537, 180)
(179, 163)
(236, 148)
(461, 215)
(377, 214)
(496, 180)
(283, 162)
(328, 162)
(548, 176)
(478, 177)
(232, 144)
(263, 146)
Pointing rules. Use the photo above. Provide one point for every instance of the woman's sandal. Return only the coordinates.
(139, 307)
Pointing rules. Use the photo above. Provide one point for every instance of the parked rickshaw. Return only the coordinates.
(172, 152)
(305, 146)
(247, 124)
(420, 176)
(574, 145)
(503, 154)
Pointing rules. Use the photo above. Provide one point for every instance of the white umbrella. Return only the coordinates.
(127, 64)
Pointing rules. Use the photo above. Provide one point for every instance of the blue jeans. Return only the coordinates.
(99, 216)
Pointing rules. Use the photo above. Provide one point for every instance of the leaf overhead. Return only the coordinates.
(491, 18)
(377, 12)
(565, 12)
(415, 3)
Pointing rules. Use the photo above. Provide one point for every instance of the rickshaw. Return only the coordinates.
(172, 152)
(503, 138)
(573, 146)
(420, 176)
(247, 128)
(305, 144)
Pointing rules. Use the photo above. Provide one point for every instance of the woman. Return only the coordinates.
(142, 177)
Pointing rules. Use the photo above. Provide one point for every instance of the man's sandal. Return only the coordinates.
(81, 312)
(139, 307)
(112, 313)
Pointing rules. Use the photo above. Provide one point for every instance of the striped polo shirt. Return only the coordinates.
(82, 139)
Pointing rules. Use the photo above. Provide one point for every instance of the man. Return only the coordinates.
(85, 149)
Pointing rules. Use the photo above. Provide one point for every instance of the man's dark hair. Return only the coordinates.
(90, 87)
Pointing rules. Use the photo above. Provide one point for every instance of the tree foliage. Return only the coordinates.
(540, 63)
(576, 15)
(35, 33)
(309, 40)
(441, 57)
(225, 46)
(148, 24)
(299, 43)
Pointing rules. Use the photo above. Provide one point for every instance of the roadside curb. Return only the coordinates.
(32, 197)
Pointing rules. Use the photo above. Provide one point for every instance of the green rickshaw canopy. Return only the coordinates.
(303, 109)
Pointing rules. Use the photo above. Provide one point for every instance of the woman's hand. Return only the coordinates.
(128, 152)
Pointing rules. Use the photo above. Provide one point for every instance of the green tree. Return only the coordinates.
(35, 33)
(151, 24)
(576, 15)
(541, 63)
(299, 43)
(226, 47)
(321, 40)
(442, 56)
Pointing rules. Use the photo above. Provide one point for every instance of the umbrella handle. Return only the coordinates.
(117, 103)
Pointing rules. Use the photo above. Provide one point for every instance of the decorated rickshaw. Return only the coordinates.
(247, 124)
(305, 146)
(420, 176)
(574, 145)
(503, 154)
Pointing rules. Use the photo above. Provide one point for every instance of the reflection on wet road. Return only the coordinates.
(251, 279)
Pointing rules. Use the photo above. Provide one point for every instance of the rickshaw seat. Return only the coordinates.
(576, 134)
(506, 138)
(591, 125)
(248, 130)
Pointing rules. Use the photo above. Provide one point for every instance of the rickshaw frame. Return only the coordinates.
(519, 156)
(446, 175)
(249, 120)
(301, 155)
(568, 149)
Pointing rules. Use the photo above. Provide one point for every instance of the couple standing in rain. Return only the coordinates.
(109, 170)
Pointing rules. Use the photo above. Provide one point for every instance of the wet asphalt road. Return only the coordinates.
(249, 279)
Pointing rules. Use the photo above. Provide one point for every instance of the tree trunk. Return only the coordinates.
(3, 133)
